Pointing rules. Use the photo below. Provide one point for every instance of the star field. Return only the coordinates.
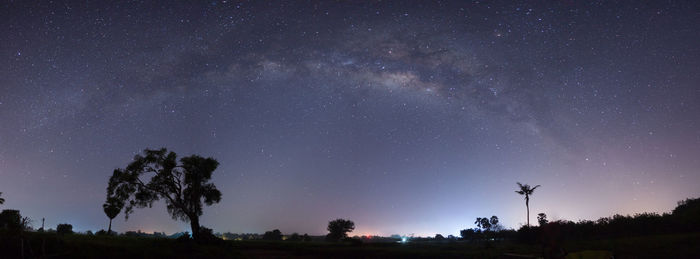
(406, 117)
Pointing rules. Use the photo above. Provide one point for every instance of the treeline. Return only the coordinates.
(684, 218)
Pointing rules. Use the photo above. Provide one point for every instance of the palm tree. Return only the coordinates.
(527, 191)
(112, 208)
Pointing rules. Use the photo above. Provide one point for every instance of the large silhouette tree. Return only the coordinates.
(184, 186)
(112, 207)
(527, 191)
(339, 228)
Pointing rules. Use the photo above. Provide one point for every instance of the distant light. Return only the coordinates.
(404, 239)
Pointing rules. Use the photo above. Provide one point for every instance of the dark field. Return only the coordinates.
(84, 246)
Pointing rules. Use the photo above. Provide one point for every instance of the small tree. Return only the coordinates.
(10, 220)
(468, 234)
(62, 229)
(306, 238)
(112, 208)
(338, 229)
(494, 223)
(275, 235)
(439, 237)
(488, 224)
(294, 237)
(483, 223)
(26, 223)
(184, 186)
(542, 219)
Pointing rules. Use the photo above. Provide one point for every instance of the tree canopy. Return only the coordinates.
(112, 207)
(488, 224)
(339, 228)
(185, 187)
(273, 235)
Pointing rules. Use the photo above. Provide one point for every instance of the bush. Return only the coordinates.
(206, 236)
(10, 220)
(687, 213)
(63, 229)
(184, 238)
(274, 235)
(294, 237)
(306, 238)
(353, 241)
(528, 235)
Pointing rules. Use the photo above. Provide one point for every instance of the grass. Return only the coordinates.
(653, 246)
(84, 246)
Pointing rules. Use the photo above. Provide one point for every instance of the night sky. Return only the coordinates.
(405, 117)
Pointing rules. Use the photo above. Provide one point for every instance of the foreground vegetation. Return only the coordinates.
(92, 246)
(646, 235)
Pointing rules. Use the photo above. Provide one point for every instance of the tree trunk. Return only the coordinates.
(109, 230)
(527, 206)
(528, 214)
(194, 223)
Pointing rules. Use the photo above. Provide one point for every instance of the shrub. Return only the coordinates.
(206, 236)
(353, 241)
(63, 229)
(275, 235)
(306, 238)
(294, 237)
(11, 220)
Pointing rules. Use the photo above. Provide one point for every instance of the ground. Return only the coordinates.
(83, 246)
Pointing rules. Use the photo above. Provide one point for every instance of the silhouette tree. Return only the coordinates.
(63, 229)
(483, 223)
(439, 237)
(10, 219)
(542, 219)
(527, 191)
(294, 237)
(687, 213)
(273, 235)
(494, 223)
(183, 187)
(112, 208)
(306, 238)
(339, 228)
(2, 200)
(468, 234)
(487, 224)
